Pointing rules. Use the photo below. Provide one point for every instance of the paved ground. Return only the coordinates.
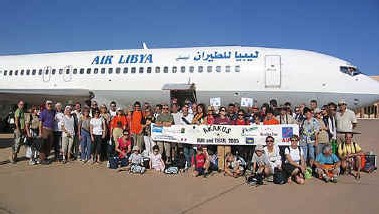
(77, 188)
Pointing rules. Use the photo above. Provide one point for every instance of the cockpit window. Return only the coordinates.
(352, 71)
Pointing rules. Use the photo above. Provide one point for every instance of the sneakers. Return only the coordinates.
(334, 179)
(32, 162)
(325, 177)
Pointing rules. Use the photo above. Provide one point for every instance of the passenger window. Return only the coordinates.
(28, 72)
(81, 71)
(5, 73)
(118, 70)
(16, 72)
(60, 71)
(200, 69)
(40, 71)
(34, 72)
(88, 70)
(174, 69)
(133, 70)
(218, 68)
(10, 72)
(183, 69)
(209, 69)
(67, 71)
(74, 72)
(165, 69)
(140, 70)
(110, 70)
(22, 72)
(157, 69)
(96, 70)
(148, 70)
(191, 69)
(102, 70)
(227, 68)
(237, 68)
(53, 71)
(125, 70)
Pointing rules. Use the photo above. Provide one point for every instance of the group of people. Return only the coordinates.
(122, 137)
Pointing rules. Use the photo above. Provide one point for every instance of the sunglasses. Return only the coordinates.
(97, 112)
(240, 114)
(165, 108)
(156, 151)
(222, 110)
(268, 141)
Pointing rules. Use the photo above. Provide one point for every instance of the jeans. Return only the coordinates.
(18, 140)
(308, 151)
(85, 145)
(188, 154)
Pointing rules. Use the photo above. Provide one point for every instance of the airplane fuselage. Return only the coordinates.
(230, 73)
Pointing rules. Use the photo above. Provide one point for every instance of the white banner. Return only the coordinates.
(224, 134)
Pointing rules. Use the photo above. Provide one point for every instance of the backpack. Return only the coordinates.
(279, 177)
(137, 169)
(113, 162)
(256, 179)
(171, 170)
(370, 164)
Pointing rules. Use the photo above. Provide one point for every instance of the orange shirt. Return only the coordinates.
(273, 121)
(135, 123)
(116, 119)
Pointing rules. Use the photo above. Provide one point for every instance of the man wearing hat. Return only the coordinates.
(345, 118)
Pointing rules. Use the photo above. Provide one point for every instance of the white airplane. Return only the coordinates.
(198, 73)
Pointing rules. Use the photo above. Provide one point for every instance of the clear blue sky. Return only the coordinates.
(348, 29)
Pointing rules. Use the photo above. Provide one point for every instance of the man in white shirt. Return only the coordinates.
(185, 116)
(345, 118)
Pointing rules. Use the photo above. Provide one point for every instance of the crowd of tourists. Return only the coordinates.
(121, 137)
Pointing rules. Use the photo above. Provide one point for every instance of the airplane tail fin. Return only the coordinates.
(144, 46)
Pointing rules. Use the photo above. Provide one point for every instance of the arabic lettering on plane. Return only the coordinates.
(210, 57)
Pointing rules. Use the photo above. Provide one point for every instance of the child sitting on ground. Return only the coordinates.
(260, 161)
(136, 161)
(200, 163)
(233, 167)
(180, 160)
(156, 162)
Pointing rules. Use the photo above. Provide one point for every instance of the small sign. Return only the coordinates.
(246, 102)
(215, 101)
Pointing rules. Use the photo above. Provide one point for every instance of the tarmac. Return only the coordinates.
(85, 188)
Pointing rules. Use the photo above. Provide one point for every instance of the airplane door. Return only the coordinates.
(67, 73)
(46, 74)
(272, 71)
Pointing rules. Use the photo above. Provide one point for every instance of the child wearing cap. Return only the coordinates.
(136, 161)
(260, 161)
